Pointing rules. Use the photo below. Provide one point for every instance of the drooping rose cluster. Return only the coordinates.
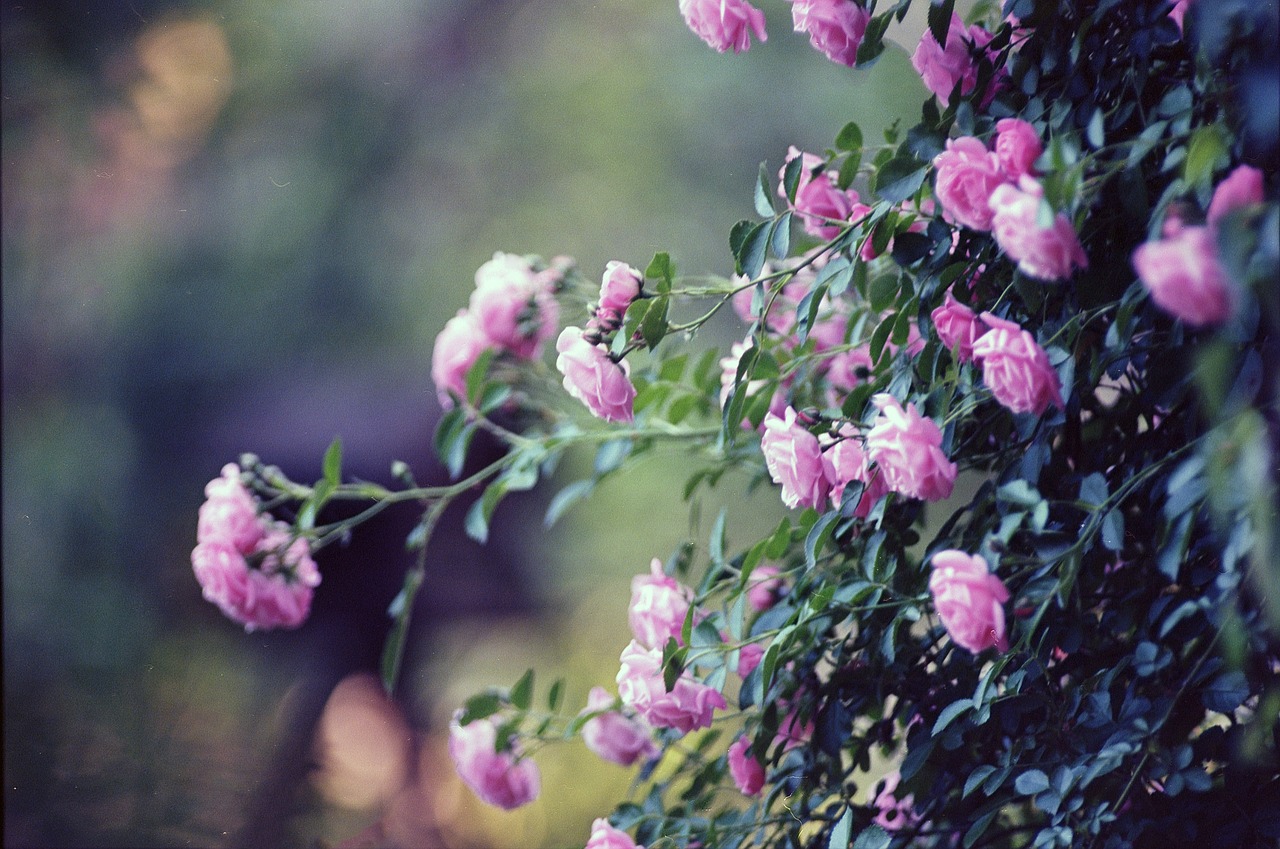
(501, 778)
(724, 24)
(943, 68)
(248, 564)
(1015, 368)
(614, 736)
(594, 378)
(822, 206)
(907, 449)
(659, 605)
(835, 27)
(969, 600)
(688, 705)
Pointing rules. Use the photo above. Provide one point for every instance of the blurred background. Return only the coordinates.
(237, 225)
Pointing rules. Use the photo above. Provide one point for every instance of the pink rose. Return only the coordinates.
(659, 604)
(848, 369)
(794, 459)
(1017, 147)
(968, 173)
(818, 198)
(763, 588)
(848, 463)
(513, 306)
(724, 24)
(1242, 187)
(747, 772)
(592, 377)
(499, 778)
(1179, 12)
(893, 813)
(620, 286)
(835, 27)
(749, 657)
(605, 836)
(1184, 277)
(1047, 253)
(906, 447)
(941, 69)
(792, 732)
(957, 327)
(616, 737)
(230, 513)
(688, 706)
(1015, 368)
(457, 348)
(969, 600)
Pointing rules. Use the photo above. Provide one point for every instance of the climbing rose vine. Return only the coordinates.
(1013, 374)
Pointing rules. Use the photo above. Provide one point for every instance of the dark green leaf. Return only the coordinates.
(654, 326)
(522, 692)
(764, 194)
(872, 837)
(842, 831)
(553, 697)
(1031, 782)
(940, 20)
(850, 137)
(900, 178)
(480, 706)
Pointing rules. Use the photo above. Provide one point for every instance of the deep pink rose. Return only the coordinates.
(969, 600)
(593, 378)
(724, 24)
(1047, 253)
(499, 778)
(763, 587)
(1184, 277)
(835, 27)
(613, 736)
(941, 69)
(906, 447)
(1015, 368)
(620, 286)
(514, 306)
(957, 326)
(688, 706)
(968, 173)
(659, 604)
(747, 772)
(818, 198)
(749, 657)
(894, 813)
(1242, 187)
(605, 836)
(794, 459)
(1017, 147)
(457, 347)
(848, 462)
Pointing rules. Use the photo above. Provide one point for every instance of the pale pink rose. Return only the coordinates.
(230, 512)
(1184, 277)
(906, 447)
(689, 705)
(498, 778)
(894, 813)
(794, 459)
(659, 604)
(848, 462)
(620, 286)
(835, 27)
(818, 198)
(614, 736)
(1242, 187)
(513, 306)
(969, 600)
(605, 836)
(941, 69)
(968, 173)
(592, 377)
(749, 657)
(1015, 368)
(1047, 253)
(747, 772)
(724, 24)
(851, 368)
(1018, 146)
(763, 587)
(957, 327)
(457, 348)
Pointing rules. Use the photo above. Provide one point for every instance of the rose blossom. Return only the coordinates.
(1017, 147)
(968, 174)
(847, 461)
(499, 778)
(620, 286)
(724, 24)
(593, 378)
(957, 326)
(747, 772)
(457, 347)
(513, 306)
(848, 369)
(818, 198)
(616, 737)
(969, 600)
(893, 813)
(942, 68)
(835, 27)
(230, 513)
(1179, 13)
(1047, 253)
(906, 447)
(763, 587)
(688, 706)
(1242, 187)
(749, 657)
(1015, 368)
(659, 605)
(794, 459)
(605, 836)
(1184, 277)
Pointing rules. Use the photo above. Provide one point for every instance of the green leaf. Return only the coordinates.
(480, 706)
(522, 693)
(900, 178)
(673, 656)
(949, 714)
(477, 373)
(841, 831)
(1206, 152)
(882, 291)
(661, 270)
(872, 837)
(1095, 131)
(750, 255)
(554, 695)
(817, 537)
(791, 178)
(333, 462)
(764, 194)
(654, 326)
(850, 137)
(979, 826)
(976, 777)
(940, 20)
(880, 336)
(1031, 782)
